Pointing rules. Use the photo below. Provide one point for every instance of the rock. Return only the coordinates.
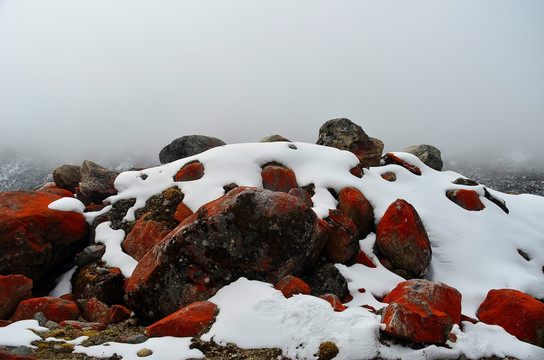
(182, 212)
(497, 201)
(6, 355)
(390, 158)
(343, 134)
(89, 255)
(302, 195)
(51, 325)
(327, 279)
(54, 309)
(274, 138)
(133, 339)
(84, 326)
(144, 353)
(363, 259)
(438, 295)
(327, 351)
(277, 178)
(96, 183)
(193, 170)
(402, 239)
(96, 311)
(467, 199)
(187, 322)
(249, 232)
(416, 321)
(99, 281)
(334, 301)
(23, 351)
(187, 146)
(13, 290)
(67, 177)
(40, 318)
(145, 234)
(389, 176)
(51, 188)
(342, 241)
(118, 313)
(353, 204)
(163, 207)
(35, 239)
(292, 285)
(428, 154)
(519, 314)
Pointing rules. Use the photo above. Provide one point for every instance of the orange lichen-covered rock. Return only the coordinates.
(190, 171)
(13, 289)
(54, 309)
(118, 313)
(518, 313)
(402, 238)
(182, 212)
(277, 178)
(356, 207)
(145, 234)
(334, 301)
(34, 238)
(292, 285)
(187, 322)
(363, 259)
(342, 243)
(390, 158)
(96, 311)
(467, 199)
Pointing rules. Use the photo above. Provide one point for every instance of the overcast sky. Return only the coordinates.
(100, 76)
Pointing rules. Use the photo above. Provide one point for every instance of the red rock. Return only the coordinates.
(467, 199)
(13, 290)
(4, 323)
(97, 280)
(342, 244)
(81, 325)
(54, 309)
(389, 176)
(187, 322)
(70, 297)
(469, 319)
(292, 285)
(5, 355)
(145, 234)
(401, 237)
(34, 238)
(390, 158)
(347, 299)
(51, 188)
(276, 178)
(118, 313)
(416, 321)
(302, 195)
(363, 259)
(182, 212)
(189, 172)
(439, 296)
(357, 171)
(334, 301)
(519, 314)
(356, 207)
(96, 311)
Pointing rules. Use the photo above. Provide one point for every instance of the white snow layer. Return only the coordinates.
(473, 251)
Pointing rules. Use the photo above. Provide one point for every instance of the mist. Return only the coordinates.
(96, 79)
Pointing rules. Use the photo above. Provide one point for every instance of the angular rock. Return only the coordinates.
(402, 239)
(182, 212)
(35, 239)
(389, 176)
(85, 326)
(438, 295)
(277, 178)
(302, 195)
(353, 204)
(193, 170)
(428, 154)
(292, 285)
(342, 241)
(99, 281)
(344, 134)
(118, 313)
(54, 309)
(96, 311)
(145, 234)
(334, 301)
(67, 177)
(519, 314)
(249, 232)
(51, 188)
(363, 259)
(13, 290)
(96, 183)
(467, 199)
(89, 255)
(187, 146)
(187, 322)
(390, 158)
(327, 279)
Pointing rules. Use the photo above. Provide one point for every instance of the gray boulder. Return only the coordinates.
(96, 183)
(430, 155)
(67, 177)
(187, 146)
(274, 138)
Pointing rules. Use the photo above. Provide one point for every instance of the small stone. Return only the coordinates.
(144, 353)
(23, 351)
(133, 339)
(40, 317)
(327, 351)
(51, 325)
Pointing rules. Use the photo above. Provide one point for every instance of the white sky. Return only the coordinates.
(99, 76)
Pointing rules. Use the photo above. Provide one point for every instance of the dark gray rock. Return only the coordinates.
(188, 146)
(428, 154)
(327, 279)
(96, 183)
(67, 177)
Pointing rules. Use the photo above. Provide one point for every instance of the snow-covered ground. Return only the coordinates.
(473, 251)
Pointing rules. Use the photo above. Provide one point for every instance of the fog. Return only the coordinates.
(89, 79)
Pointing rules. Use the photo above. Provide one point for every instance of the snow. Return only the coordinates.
(473, 251)
(20, 333)
(64, 284)
(67, 204)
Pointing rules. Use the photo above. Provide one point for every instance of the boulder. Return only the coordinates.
(13, 290)
(428, 154)
(51, 188)
(344, 134)
(292, 285)
(334, 301)
(187, 146)
(193, 170)
(363, 259)
(402, 239)
(390, 158)
(99, 281)
(519, 314)
(96, 311)
(438, 295)
(35, 239)
(96, 183)
(274, 138)
(467, 199)
(118, 313)
(353, 204)
(277, 178)
(342, 240)
(54, 309)
(327, 279)
(187, 322)
(67, 177)
(302, 195)
(145, 234)
(249, 232)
